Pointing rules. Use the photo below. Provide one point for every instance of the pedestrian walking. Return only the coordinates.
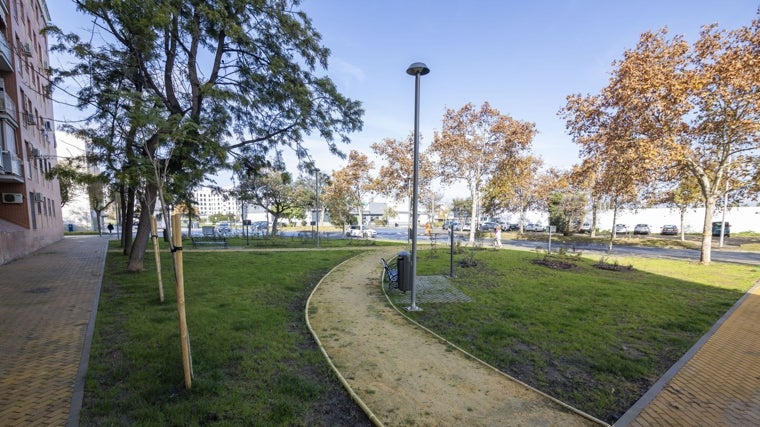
(110, 228)
(497, 236)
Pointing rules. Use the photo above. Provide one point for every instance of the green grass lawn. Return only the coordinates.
(596, 339)
(303, 240)
(255, 362)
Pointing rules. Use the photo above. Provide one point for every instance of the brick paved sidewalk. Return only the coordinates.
(46, 303)
(717, 383)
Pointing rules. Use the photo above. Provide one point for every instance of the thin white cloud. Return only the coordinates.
(345, 72)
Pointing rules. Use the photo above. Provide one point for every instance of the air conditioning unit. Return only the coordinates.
(16, 198)
(26, 49)
(35, 152)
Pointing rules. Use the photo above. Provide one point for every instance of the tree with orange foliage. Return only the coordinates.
(394, 178)
(671, 107)
(472, 144)
(515, 186)
(350, 186)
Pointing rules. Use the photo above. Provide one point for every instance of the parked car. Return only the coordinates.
(586, 228)
(621, 229)
(488, 226)
(669, 229)
(641, 229)
(259, 228)
(466, 226)
(360, 231)
(455, 225)
(512, 227)
(716, 229)
(224, 228)
(534, 227)
(259, 225)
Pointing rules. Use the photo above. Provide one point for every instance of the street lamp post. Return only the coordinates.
(417, 69)
(316, 174)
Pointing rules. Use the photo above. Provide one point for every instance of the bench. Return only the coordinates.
(391, 273)
(209, 240)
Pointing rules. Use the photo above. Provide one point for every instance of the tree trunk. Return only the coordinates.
(614, 223)
(521, 228)
(98, 215)
(122, 214)
(683, 233)
(359, 210)
(594, 217)
(706, 251)
(275, 221)
(128, 221)
(473, 214)
(140, 244)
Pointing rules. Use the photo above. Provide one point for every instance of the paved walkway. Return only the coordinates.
(404, 374)
(46, 304)
(716, 383)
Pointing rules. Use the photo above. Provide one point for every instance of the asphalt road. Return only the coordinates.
(442, 237)
(718, 254)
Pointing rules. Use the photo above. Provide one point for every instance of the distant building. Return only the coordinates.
(30, 208)
(77, 214)
(209, 202)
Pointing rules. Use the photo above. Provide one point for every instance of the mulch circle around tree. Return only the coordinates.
(613, 267)
(555, 264)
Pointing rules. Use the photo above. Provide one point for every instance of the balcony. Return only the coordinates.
(11, 168)
(7, 108)
(4, 12)
(6, 62)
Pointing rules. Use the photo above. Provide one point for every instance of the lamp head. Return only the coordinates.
(418, 68)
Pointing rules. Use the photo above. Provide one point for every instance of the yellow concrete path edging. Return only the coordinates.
(488, 365)
(343, 381)
(401, 373)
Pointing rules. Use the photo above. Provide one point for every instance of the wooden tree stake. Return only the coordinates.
(158, 258)
(179, 270)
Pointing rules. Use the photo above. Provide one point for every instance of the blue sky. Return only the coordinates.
(523, 57)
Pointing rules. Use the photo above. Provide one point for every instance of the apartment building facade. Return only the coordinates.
(209, 202)
(30, 204)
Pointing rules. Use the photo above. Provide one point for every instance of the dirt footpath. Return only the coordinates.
(407, 376)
